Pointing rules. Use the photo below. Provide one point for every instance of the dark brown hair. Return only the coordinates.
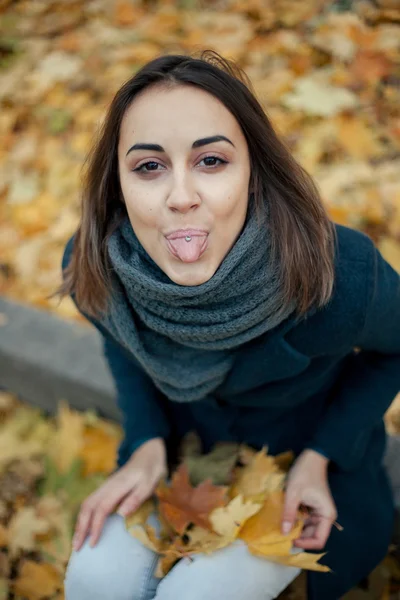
(303, 236)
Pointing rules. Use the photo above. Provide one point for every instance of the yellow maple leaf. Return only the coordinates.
(390, 250)
(265, 527)
(148, 537)
(165, 563)
(228, 520)
(284, 460)
(260, 476)
(56, 543)
(3, 535)
(13, 447)
(263, 536)
(37, 580)
(356, 137)
(67, 445)
(141, 514)
(26, 434)
(302, 560)
(136, 525)
(392, 416)
(23, 529)
(99, 451)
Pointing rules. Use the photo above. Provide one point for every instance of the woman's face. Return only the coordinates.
(186, 192)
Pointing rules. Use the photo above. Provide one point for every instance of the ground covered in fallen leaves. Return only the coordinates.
(327, 73)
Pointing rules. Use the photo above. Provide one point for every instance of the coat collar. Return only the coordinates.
(268, 358)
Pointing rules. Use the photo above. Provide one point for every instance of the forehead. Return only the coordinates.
(184, 111)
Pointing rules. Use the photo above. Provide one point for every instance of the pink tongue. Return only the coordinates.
(188, 251)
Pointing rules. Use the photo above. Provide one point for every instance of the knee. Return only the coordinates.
(118, 566)
(231, 572)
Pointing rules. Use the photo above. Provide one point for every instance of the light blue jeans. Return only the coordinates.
(119, 567)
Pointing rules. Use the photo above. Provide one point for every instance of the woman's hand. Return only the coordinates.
(307, 485)
(133, 483)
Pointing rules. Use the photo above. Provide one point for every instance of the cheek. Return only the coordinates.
(142, 212)
(141, 205)
(232, 206)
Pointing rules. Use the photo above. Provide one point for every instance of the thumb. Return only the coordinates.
(292, 503)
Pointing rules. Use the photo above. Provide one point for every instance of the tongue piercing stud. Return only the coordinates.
(188, 238)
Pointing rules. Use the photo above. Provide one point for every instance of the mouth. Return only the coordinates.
(187, 245)
(183, 233)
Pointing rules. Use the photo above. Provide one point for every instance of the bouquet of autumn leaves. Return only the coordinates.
(213, 499)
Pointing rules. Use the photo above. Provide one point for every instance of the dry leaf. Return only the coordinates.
(12, 447)
(356, 137)
(4, 588)
(392, 416)
(228, 520)
(56, 546)
(369, 66)
(301, 560)
(99, 451)
(24, 527)
(68, 444)
(264, 538)
(140, 516)
(37, 580)
(148, 537)
(182, 504)
(262, 475)
(390, 250)
(316, 96)
(265, 527)
(3, 535)
(217, 465)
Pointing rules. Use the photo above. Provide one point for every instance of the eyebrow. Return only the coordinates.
(196, 144)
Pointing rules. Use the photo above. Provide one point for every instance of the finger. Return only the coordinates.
(323, 531)
(291, 505)
(82, 526)
(88, 507)
(100, 515)
(308, 531)
(134, 500)
(319, 537)
(104, 508)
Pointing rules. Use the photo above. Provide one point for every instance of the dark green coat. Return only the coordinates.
(323, 382)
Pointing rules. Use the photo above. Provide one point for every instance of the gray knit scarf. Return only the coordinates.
(184, 337)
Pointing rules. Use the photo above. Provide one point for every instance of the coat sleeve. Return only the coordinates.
(371, 379)
(140, 402)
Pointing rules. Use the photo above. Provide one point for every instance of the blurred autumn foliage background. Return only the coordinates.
(326, 73)
(328, 76)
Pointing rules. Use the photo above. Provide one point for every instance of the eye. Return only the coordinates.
(140, 169)
(151, 166)
(213, 158)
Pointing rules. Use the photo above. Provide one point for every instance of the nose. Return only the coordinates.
(183, 197)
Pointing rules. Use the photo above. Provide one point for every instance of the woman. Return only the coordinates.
(229, 304)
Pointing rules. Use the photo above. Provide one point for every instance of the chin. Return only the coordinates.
(190, 274)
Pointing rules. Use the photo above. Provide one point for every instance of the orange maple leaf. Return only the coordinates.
(181, 503)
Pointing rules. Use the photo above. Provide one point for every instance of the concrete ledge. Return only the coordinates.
(44, 358)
